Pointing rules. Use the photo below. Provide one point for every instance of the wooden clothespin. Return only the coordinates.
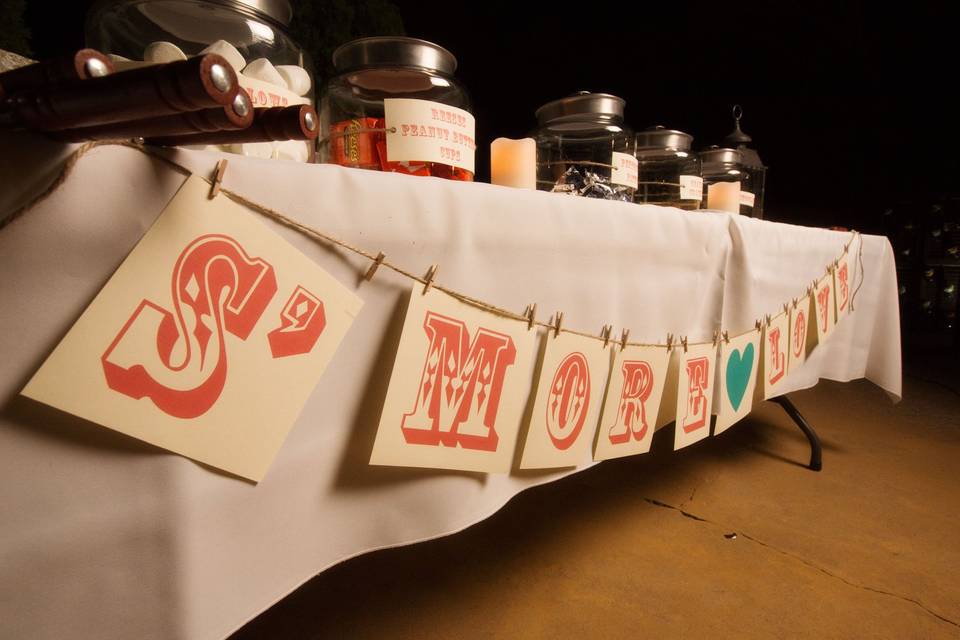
(556, 325)
(530, 314)
(716, 337)
(669, 342)
(428, 279)
(726, 337)
(373, 267)
(795, 303)
(683, 341)
(786, 308)
(623, 339)
(758, 325)
(218, 178)
(768, 319)
(605, 334)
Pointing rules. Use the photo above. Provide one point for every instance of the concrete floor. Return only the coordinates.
(643, 547)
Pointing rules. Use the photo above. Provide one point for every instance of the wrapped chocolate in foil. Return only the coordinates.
(589, 184)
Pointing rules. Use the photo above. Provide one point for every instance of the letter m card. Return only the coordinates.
(458, 389)
(207, 341)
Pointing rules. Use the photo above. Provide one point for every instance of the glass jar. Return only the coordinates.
(395, 105)
(584, 148)
(726, 185)
(251, 34)
(750, 163)
(669, 172)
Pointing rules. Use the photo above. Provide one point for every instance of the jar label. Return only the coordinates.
(625, 170)
(264, 94)
(747, 198)
(691, 188)
(426, 131)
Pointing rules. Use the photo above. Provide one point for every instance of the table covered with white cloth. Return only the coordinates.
(103, 536)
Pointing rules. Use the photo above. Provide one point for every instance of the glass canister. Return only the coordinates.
(251, 34)
(585, 149)
(669, 172)
(395, 105)
(750, 163)
(726, 185)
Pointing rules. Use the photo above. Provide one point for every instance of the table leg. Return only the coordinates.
(816, 464)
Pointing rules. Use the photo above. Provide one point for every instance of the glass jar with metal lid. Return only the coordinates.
(395, 105)
(251, 35)
(751, 164)
(584, 148)
(669, 172)
(725, 182)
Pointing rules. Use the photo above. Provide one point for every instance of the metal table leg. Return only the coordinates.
(816, 464)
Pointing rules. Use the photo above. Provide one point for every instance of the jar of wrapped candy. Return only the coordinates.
(272, 69)
(585, 149)
(395, 105)
(669, 172)
(726, 183)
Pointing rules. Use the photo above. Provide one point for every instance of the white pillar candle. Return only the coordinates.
(513, 163)
(724, 196)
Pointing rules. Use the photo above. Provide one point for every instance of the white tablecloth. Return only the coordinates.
(102, 536)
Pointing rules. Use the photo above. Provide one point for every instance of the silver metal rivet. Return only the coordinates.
(241, 106)
(95, 68)
(310, 121)
(219, 77)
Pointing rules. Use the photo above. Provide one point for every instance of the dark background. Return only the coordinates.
(851, 105)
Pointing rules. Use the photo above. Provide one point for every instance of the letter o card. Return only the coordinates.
(776, 344)
(206, 341)
(799, 330)
(458, 388)
(573, 377)
(634, 393)
(739, 362)
(696, 374)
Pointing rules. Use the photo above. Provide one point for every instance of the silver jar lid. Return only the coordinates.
(393, 51)
(719, 156)
(660, 138)
(279, 10)
(582, 106)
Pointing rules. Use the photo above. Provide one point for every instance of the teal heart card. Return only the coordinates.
(739, 368)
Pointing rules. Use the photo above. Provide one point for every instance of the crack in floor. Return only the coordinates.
(812, 565)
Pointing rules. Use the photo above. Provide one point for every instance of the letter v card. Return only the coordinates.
(207, 341)
(458, 389)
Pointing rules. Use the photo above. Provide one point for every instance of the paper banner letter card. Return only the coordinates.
(573, 377)
(800, 332)
(207, 340)
(823, 299)
(841, 284)
(634, 395)
(776, 345)
(458, 388)
(739, 362)
(695, 385)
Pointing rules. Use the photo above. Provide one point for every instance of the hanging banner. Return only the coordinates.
(206, 341)
(776, 346)
(695, 385)
(800, 331)
(824, 302)
(739, 362)
(573, 377)
(458, 388)
(633, 401)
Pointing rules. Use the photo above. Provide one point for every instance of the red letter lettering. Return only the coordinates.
(568, 400)
(697, 374)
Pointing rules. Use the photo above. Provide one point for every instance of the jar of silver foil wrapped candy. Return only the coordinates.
(585, 149)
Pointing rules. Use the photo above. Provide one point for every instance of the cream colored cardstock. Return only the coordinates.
(739, 362)
(695, 384)
(458, 389)
(633, 402)
(207, 340)
(776, 347)
(799, 330)
(842, 284)
(569, 397)
(823, 298)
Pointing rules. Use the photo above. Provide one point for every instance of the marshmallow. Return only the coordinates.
(296, 150)
(228, 51)
(261, 69)
(125, 64)
(163, 52)
(297, 78)
(254, 149)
